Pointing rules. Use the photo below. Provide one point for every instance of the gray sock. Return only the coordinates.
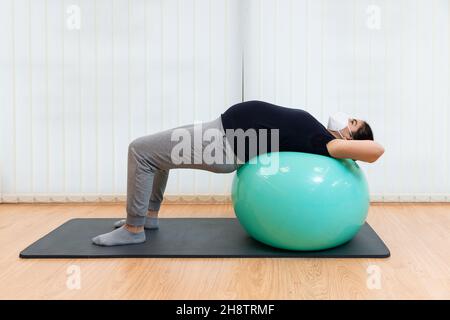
(119, 237)
(150, 223)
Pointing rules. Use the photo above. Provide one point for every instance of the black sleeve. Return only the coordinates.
(319, 144)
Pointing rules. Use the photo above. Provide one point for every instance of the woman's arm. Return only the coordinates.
(364, 150)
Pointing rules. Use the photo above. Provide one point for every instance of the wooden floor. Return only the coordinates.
(418, 236)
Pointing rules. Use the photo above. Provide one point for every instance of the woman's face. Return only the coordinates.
(353, 125)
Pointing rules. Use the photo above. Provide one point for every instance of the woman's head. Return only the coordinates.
(344, 127)
(359, 130)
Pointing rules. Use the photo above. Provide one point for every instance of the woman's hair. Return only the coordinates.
(363, 133)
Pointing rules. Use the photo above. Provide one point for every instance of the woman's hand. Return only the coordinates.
(364, 150)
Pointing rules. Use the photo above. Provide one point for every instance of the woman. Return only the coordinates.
(151, 157)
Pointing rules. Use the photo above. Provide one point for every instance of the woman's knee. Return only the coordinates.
(140, 146)
(135, 146)
(149, 151)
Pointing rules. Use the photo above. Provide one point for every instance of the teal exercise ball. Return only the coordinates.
(300, 201)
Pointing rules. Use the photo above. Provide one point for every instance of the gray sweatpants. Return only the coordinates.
(151, 157)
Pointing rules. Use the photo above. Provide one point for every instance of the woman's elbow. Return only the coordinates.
(377, 154)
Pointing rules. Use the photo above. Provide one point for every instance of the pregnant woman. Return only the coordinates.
(151, 157)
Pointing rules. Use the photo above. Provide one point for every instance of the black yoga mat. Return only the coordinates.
(188, 238)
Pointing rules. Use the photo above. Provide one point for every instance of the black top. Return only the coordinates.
(298, 130)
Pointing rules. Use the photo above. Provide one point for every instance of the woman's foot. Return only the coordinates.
(151, 222)
(121, 236)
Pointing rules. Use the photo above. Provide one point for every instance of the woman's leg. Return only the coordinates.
(145, 159)
(159, 186)
(149, 162)
(141, 175)
(149, 159)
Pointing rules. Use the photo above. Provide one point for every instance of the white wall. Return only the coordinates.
(72, 100)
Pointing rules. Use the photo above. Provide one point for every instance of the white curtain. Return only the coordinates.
(80, 79)
(385, 61)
